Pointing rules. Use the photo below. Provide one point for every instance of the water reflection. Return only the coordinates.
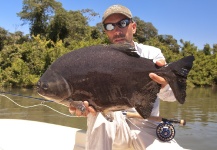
(199, 110)
(200, 106)
(40, 113)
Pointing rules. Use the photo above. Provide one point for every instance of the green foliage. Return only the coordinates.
(23, 64)
(18, 74)
(188, 48)
(55, 31)
(207, 49)
(145, 30)
(214, 50)
(204, 71)
(3, 37)
(71, 25)
(169, 41)
(38, 14)
(58, 27)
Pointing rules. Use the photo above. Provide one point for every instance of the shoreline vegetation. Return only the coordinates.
(55, 31)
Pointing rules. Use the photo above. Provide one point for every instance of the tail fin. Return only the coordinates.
(176, 75)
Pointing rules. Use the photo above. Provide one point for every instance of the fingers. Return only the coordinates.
(158, 79)
(161, 62)
(77, 112)
(89, 108)
(155, 77)
(72, 110)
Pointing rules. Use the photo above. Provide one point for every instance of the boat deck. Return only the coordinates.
(18, 134)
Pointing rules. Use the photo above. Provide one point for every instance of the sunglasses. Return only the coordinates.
(121, 24)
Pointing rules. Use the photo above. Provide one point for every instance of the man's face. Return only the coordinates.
(120, 35)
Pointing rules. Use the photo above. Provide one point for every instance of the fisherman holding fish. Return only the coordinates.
(124, 132)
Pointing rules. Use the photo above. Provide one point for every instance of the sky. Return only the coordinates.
(190, 20)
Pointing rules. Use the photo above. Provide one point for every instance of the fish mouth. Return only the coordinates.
(54, 87)
(62, 102)
(46, 97)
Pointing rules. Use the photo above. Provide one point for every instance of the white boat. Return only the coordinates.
(18, 134)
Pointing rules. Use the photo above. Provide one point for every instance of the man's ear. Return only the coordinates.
(134, 27)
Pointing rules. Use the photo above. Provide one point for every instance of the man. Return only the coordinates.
(127, 133)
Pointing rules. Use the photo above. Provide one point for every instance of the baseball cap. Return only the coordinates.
(116, 9)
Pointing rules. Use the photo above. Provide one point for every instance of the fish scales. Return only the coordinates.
(111, 77)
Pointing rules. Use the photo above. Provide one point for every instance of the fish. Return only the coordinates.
(111, 78)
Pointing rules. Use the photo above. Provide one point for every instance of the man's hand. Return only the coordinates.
(88, 110)
(157, 78)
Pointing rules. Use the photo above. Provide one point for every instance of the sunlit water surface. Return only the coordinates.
(199, 110)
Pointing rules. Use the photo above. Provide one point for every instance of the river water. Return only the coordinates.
(199, 110)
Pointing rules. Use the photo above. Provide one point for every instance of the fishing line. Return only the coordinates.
(41, 104)
(26, 96)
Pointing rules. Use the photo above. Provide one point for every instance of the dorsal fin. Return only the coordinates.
(126, 48)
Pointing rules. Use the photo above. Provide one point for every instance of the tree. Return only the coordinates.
(207, 49)
(58, 28)
(3, 37)
(188, 48)
(214, 49)
(72, 25)
(78, 25)
(170, 41)
(89, 14)
(145, 30)
(19, 37)
(38, 13)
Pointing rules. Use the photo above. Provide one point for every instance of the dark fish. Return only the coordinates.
(112, 77)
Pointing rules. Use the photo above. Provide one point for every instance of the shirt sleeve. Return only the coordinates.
(149, 52)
